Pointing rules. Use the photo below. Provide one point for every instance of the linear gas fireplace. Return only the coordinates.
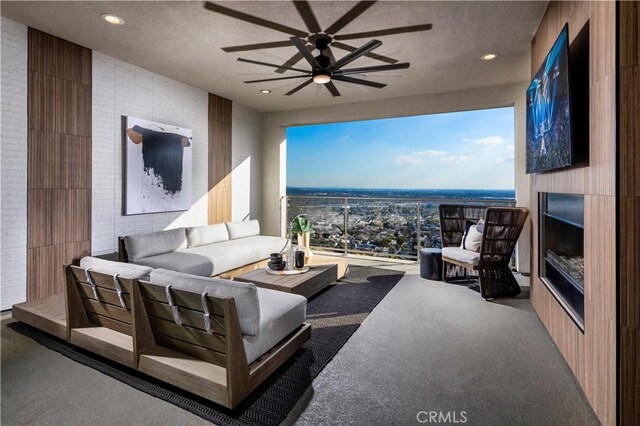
(562, 250)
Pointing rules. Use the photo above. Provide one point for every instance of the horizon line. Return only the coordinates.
(400, 189)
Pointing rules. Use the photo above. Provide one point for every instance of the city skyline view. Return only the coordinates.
(459, 150)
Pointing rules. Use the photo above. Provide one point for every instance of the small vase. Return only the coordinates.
(305, 240)
(291, 255)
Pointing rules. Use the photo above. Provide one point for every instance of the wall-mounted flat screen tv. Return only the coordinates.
(549, 135)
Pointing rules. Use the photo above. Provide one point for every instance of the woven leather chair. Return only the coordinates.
(502, 228)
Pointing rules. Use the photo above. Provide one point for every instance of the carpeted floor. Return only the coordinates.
(335, 314)
(427, 346)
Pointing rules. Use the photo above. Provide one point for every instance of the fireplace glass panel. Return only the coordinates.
(562, 250)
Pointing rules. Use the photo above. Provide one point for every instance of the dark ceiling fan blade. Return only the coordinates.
(389, 31)
(304, 51)
(305, 11)
(291, 61)
(371, 55)
(214, 7)
(266, 64)
(356, 54)
(276, 79)
(257, 46)
(359, 81)
(332, 89)
(364, 70)
(295, 89)
(352, 14)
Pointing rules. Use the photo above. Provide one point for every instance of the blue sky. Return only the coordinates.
(459, 150)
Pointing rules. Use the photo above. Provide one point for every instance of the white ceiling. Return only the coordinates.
(183, 41)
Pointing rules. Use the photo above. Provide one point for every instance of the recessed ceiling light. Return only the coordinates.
(112, 19)
(489, 56)
(265, 91)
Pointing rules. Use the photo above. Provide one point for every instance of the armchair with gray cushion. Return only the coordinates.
(501, 229)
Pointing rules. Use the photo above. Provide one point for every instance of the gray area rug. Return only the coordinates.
(335, 314)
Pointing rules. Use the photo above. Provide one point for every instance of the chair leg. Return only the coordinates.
(497, 281)
(457, 274)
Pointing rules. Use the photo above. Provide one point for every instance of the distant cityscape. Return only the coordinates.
(381, 222)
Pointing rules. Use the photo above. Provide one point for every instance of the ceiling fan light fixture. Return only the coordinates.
(321, 78)
(489, 56)
(112, 19)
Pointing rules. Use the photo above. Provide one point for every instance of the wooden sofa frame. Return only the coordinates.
(190, 340)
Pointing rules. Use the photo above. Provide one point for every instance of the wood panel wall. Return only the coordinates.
(219, 195)
(592, 355)
(629, 210)
(59, 160)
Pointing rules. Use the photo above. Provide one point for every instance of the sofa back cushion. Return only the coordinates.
(145, 245)
(237, 230)
(245, 295)
(203, 235)
(125, 270)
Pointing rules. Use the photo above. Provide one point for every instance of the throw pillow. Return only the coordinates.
(467, 226)
(473, 240)
(472, 237)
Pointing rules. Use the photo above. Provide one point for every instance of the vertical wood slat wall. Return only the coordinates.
(219, 189)
(59, 160)
(592, 356)
(629, 210)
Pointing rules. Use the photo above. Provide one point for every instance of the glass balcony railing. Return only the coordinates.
(384, 227)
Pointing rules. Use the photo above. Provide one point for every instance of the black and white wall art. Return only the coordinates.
(157, 166)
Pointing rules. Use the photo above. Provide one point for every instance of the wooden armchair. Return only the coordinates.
(502, 227)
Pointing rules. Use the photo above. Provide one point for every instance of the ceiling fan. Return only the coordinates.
(323, 70)
(314, 32)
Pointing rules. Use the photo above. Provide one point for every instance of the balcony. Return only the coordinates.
(394, 228)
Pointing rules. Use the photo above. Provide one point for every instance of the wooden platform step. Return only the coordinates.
(47, 314)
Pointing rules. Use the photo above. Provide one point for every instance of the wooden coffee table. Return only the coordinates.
(307, 284)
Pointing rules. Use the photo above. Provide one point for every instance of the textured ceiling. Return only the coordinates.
(183, 41)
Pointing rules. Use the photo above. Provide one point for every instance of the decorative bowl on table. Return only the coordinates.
(277, 266)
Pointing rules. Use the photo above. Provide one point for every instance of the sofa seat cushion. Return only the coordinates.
(233, 254)
(280, 314)
(461, 255)
(245, 295)
(108, 267)
(180, 261)
(215, 259)
(145, 245)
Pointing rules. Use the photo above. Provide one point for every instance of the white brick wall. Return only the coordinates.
(246, 158)
(13, 164)
(121, 89)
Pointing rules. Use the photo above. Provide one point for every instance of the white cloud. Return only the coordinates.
(489, 141)
(417, 157)
(509, 146)
(429, 153)
(457, 159)
(408, 159)
(505, 160)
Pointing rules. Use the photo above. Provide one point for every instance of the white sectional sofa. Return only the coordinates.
(204, 250)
